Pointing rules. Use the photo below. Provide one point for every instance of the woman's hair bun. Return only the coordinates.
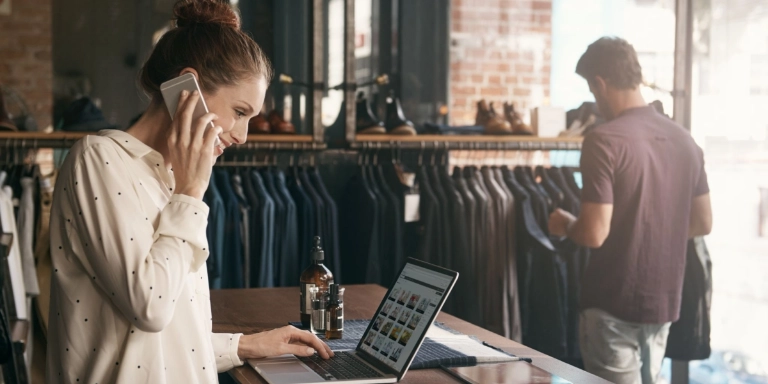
(190, 12)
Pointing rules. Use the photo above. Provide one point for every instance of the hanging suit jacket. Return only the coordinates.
(289, 265)
(262, 268)
(359, 232)
(233, 246)
(689, 336)
(305, 212)
(331, 229)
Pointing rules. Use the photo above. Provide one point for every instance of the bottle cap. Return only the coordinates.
(317, 251)
(334, 289)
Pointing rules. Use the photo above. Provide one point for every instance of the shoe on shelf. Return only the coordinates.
(258, 125)
(396, 122)
(367, 123)
(517, 124)
(278, 125)
(493, 123)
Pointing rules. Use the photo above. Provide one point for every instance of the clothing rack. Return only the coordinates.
(245, 156)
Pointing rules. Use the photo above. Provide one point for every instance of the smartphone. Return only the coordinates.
(171, 91)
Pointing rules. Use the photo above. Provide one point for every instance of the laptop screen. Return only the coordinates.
(406, 314)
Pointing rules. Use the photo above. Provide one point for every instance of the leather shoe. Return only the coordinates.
(396, 122)
(258, 125)
(518, 127)
(493, 123)
(367, 123)
(278, 125)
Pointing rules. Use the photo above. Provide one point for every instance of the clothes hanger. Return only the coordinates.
(17, 169)
(295, 168)
(29, 162)
(362, 165)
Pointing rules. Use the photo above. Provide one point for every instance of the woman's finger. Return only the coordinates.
(311, 340)
(298, 350)
(201, 126)
(178, 117)
(187, 115)
(209, 139)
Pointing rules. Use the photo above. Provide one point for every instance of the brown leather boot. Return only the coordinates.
(518, 126)
(493, 123)
(396, 122)
(278, 125)
(366, 123)
(483, 113)
(258, 125)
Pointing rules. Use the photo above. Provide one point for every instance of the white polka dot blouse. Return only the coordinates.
(129, 289)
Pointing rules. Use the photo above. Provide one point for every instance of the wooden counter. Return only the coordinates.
(256, 310)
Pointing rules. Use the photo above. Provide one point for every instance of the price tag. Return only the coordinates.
(411, 214)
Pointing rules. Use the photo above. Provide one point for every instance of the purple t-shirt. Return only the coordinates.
(650, 169)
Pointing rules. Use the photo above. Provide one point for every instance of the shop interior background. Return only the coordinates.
(523, 51)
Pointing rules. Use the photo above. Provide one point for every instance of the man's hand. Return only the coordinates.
(559, 222)
(281, 341)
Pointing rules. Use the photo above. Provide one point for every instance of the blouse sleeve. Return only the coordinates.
(225, 348)
(142, 270)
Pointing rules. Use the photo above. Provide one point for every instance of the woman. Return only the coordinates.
(129, 296)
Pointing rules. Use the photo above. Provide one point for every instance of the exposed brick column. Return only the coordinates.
(500, 51)
(25, 56)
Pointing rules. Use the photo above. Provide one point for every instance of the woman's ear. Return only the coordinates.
(192, 71)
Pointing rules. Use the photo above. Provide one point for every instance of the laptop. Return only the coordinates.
(388, 345)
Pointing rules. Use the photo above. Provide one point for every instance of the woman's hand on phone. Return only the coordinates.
(191, 146)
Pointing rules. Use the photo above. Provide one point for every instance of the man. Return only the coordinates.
(644, 194)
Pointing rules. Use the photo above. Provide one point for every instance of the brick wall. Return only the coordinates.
(500, 51)
(25, 55)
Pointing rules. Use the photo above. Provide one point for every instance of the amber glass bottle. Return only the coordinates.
(316, 275)
(334, 315)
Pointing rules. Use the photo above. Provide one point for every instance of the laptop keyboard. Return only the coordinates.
(342, 366)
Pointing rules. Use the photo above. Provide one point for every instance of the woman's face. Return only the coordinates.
(234, 106)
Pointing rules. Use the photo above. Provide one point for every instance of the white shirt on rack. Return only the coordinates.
(26, 227)
(129, 293)
(8, 224)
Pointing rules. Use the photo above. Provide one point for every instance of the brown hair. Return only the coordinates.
(207, 38)
(613, 59)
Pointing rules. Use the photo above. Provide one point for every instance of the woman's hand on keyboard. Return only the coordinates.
(281, 341)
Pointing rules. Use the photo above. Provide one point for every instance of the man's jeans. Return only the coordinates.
(619, 351)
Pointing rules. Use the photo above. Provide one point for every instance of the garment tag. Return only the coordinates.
(412, 201)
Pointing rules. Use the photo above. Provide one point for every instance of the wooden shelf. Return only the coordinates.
(60, 135)
(280, 138)
(478, 142)
(304, 142)
(466, 139)
(61, 139)
(43, 135)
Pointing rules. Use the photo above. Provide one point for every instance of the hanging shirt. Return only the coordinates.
(129, 293)
(8, 225)
(26, 227)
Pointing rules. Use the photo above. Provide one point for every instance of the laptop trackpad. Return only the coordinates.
(283, 368)
(293, 372)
